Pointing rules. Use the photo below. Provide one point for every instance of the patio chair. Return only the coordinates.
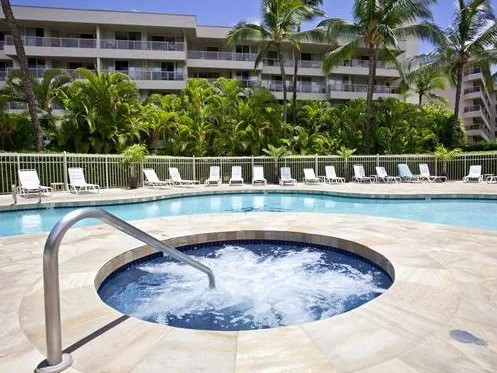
(177, 180)
(77, 182)
(424, 174)
(236, 175)
(310, 177)
(286, 177)
(474, 174)
(214, 176)
(406, 174)
(153, 181)
(30, 184)
(258, 175)
(360, 175)
(381, 175)
(331, 175)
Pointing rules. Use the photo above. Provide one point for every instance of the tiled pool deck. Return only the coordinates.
(444, 294)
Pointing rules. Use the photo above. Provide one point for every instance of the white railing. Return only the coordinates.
(276, 86)
(149, 74)
(109, 172)
(36, 41)
(224, 56)
(142, 45)
(314, 64)
(362, 88)
(37, 72)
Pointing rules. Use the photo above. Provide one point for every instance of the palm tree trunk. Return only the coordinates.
(295, 78)
(368, 130)
(23, 63)
(420, 99)
(283, 81)
(457, 103)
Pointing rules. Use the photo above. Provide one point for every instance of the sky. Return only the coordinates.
(226, 12)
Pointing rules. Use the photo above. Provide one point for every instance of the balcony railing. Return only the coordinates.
(363, 88)
(141, 45)
(275, 86)
(314, 64)
(37, 72)
(224, 56)
(35, 41)
(474, 70)
(472, 90)
(147, 74)
(364, 64)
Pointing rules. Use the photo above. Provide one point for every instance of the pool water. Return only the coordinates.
(474, 213)
(259, 285)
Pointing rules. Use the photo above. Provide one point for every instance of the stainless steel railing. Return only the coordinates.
(56, 360)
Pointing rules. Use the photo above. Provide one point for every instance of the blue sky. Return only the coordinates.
(223, 12)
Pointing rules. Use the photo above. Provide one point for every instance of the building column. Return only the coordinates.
(98, 37)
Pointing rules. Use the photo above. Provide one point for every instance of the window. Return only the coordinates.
(125, 35)
(167, 66)
(212, 49)
(242, 49)
(121, 65)
(34, 62)
(306, 56)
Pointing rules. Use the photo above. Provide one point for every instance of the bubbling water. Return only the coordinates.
(257, 287)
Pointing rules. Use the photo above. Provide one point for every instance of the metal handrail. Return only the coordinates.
(51, 275)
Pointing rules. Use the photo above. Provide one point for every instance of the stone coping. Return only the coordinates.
(349, 246)
(440, 314)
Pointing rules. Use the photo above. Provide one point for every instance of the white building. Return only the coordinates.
(160, 51)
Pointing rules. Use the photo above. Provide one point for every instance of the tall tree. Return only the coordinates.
(378, 26)
(422, 82)
(279, 19)
(23, 63)
(466, 42)
(46, 91)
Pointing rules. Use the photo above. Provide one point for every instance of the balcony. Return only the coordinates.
(224, 56)
(221, 60)
(477, 111)
(141, 45)
(306, 64)
(363, 88)
(91, 48)
(149, 74)
(155, 79)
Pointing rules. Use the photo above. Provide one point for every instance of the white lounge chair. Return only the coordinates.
(30, 184)
(474, 174)
(406, 174)
(310, 177)
(77, 182)
(153, 181)
(424, 174)
(381, 175)
(258, 175)
(286, 176)
(214, 176)
(360, 175)
(236, 175)
(177, 180)
(331, 175)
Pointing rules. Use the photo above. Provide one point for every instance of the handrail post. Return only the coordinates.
(57, 361)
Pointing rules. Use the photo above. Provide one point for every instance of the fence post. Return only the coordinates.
(106, 172)
(64, 177)
(436, 166)
(377, 160)
(465, 167)
(316, 165)
(193, 166)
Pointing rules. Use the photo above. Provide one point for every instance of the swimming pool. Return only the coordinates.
(475, 213)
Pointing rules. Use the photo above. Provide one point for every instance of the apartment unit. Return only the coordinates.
(161, 51)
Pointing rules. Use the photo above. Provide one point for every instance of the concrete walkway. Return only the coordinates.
(440, 315)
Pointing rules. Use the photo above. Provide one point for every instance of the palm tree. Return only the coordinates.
(423, 81)
(23, 63)
(279, 20)
(378, 25)
(46, 91)
(102, 115)
(276, 153)
(465, 43)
